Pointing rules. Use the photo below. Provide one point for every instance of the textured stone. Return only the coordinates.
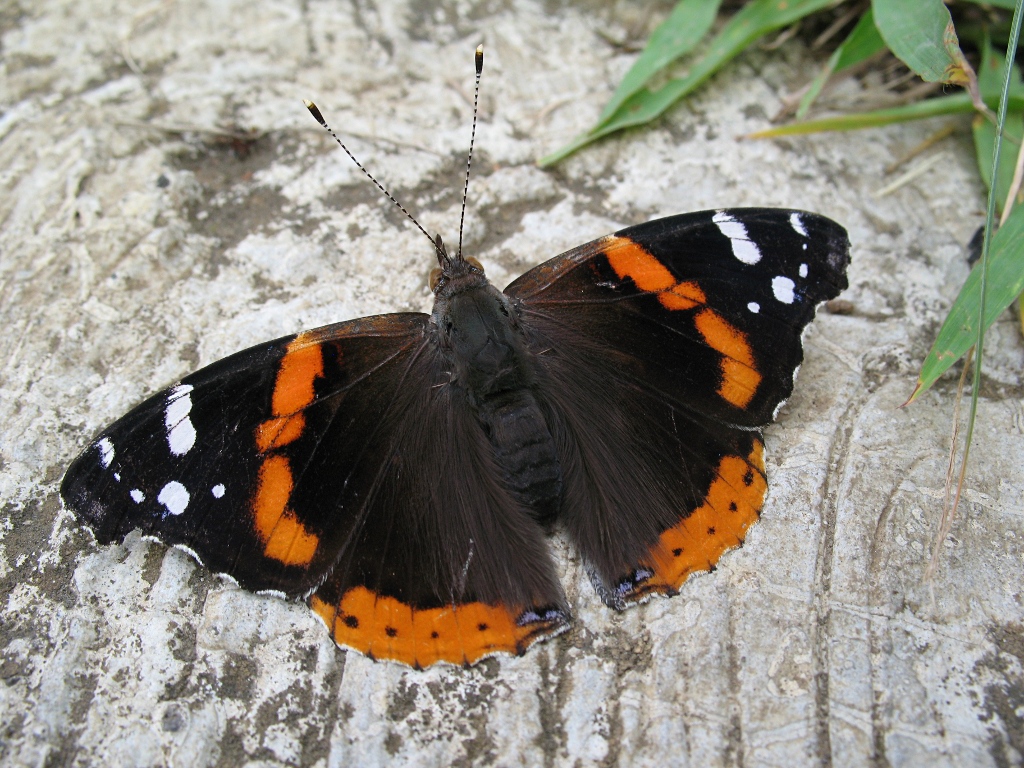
(145, 234)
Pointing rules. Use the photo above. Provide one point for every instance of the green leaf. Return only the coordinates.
(991, 75)
(675, 36)
(1005, 282)
(921, 34)
(862, 43)
(756, 19)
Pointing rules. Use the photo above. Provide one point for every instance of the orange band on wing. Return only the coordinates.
(732, 505)
(385, 628)
(297, 371)
(740, 377)
(275, 433)
(629, 259)
(302, 364)
(284, 538)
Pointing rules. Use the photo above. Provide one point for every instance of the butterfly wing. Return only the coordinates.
(662, 349)
(321, 463)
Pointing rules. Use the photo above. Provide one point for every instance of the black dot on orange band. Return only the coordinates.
(711, 531)
(732, 506)
(351, 622)
(482, 627)
(677, 551)
(748, 478)
(434, 635)
(390, 631)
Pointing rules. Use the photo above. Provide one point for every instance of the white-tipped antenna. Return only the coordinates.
(472, 140)
(315, 112)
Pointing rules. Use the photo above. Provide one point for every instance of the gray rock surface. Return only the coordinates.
(144, 234)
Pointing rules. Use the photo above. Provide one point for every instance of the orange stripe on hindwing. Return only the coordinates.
(284, 537)
(733, 503)
(383, 627)
(740, 377)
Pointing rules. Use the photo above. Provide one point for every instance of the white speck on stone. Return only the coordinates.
(754, 307)
(218, 490)
(174, 497)
(137, 496)
(181, 435)
(783, 287)
(106, 449)
(743, 248)
(797, 223)
(803, 270)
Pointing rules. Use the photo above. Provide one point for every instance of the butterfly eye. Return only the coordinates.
(475, 263)
(434, 278)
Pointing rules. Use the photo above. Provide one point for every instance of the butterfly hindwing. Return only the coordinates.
(662, 349)
(444, 564)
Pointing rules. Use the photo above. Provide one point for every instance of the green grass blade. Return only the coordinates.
(755, 20)
(862, 43)
(1005, 282)
(676, 36)
(984, 147)
(991, 76)
(956, 104)
(921, 34)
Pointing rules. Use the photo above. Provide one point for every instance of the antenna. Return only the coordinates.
(479, 58)
(442, 254)
(315, 112)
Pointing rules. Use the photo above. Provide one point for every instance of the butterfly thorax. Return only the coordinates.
(483, 340)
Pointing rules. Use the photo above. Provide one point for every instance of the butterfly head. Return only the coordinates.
(454, 274)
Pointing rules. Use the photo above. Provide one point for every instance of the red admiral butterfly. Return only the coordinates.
(401, 471)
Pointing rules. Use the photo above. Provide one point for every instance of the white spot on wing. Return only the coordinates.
(218, 490)
(797, 223)
(181, 435)
(782, 287)
(803, 270)
(754, 307)
(117, 476)
(174, 497)
(743, 248)
(106, 449)
(137, 496)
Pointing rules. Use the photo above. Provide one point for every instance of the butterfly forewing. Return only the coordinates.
(717, 300)
(217, 462)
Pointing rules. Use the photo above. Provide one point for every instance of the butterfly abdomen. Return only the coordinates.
(524, 450)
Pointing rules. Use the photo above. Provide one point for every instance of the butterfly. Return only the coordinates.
(401, 472)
